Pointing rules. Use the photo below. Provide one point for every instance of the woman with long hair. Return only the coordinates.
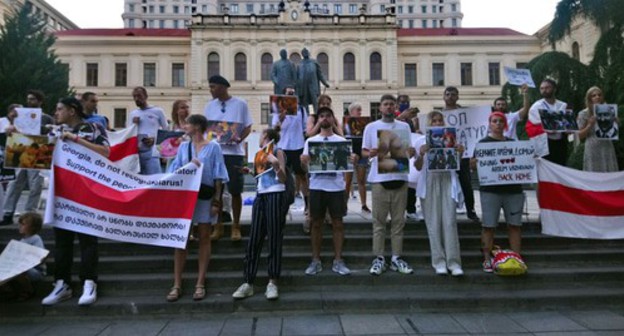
(599, 154)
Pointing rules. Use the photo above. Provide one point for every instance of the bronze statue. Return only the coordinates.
(283, 74)
(309, 76)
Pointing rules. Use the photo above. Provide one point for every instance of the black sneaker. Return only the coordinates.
(473, 216)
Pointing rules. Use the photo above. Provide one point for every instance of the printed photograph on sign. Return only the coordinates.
(283, 104)
(261, 162)
(329, 157)
(224, 132)
(168, 142)
(559, 121)
(353, 127)
(606, 127)
(441, 137)
(392, 156)
(442, 159)
(505, 162)
(28, 120)
(29, 151)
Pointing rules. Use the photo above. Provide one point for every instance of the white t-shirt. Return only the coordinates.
(4, 124)
(512, 122)
(268, 182)
(534, 116)
(292, 129)
(369, 141)
(417, 140)
(325, 181)
(151, 119)
(237, 111)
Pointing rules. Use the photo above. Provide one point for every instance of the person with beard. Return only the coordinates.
(500, 104)
(389, 192)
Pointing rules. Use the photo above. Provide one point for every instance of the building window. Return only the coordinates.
(234, 8)
(400, 10)
(213, 64)
(410, 23)
(576, 51)
(176, 10)
(121, 74)
(382, 9)
(400, 23)
(466, 73)
(266, 63)
(438, 74)
(249, 8)
(423, 9)
(494, 73)
(130, 23)
(265, 114)
(410, 75)
(424, 23)
(345, 108)
(434, 9)
(175, 24)
(352, 9)
(338, 9)
(92, 74)
(149, 74)
(161, 9)
(374, 111)
(435, 23)
(161, 24)
(454, 23)
(453, 7)
(151, 9)
(295, 58)
(131, 8)
(323, 61)
(348, 63)
(119, 117)
(177, 75)
(375, 66)
(240, 67)
(410, 9)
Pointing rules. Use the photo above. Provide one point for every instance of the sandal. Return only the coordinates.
(174, 294)
(200, 293)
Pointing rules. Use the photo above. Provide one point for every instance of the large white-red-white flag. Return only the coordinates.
(124, 148)
(580, 204)
(90, 194)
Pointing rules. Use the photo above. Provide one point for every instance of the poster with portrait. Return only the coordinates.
(353, 127)
(392, 151)
(284, 104)
(606, 127)
(330, 156)
(168, 142)
(558, 121)
(442, 159)
(224, 132)
(261, 162)
(28, 120)
(29, 151)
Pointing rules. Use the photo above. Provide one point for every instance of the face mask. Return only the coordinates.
(403, 106)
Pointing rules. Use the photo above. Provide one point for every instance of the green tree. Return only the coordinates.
(27, 61)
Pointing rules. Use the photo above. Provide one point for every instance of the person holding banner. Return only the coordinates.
(149, 119)
(439, 193)
(214, 173)
(93, 136)
(509, 197)
(599, 154)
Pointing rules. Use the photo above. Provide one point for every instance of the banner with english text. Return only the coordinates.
(506, 162)
(92, 195)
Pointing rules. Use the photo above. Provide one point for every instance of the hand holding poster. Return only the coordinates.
(519, 77)
(471, 124)
(168, 142)
(92, 195)
(392, 151)
(283, 104)
(18, 258)
(558, 121)
(28, 120)
(606, 127)
(330, 157)
(505, 162)
(224, 132)
(29, 151)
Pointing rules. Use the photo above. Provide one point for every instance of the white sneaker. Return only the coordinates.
(61, 292)
(401, 266)
(378, 266)
(441, 270)
(89, 293)
(411, 216)
(244, 291)
(271, 293)
(457, 272)
(314, 267)
(461, 208)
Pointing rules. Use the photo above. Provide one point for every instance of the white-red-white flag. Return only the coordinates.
(124, 148)
(580, 204)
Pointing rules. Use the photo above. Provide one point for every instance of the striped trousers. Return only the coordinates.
(267, 219)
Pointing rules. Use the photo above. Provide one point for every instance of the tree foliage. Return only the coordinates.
(27, 61)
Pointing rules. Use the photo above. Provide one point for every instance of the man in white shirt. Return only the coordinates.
(557, 142)
(225, 107)
(500, 104)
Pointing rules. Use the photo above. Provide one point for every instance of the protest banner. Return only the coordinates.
(558, 121)
(519, 77)
(284, 104)
(505, 162)
(29, 151)
(18, 258)
(28, 120)
(168, 142)
(471, 124)
(90, 194)
(224, 132)
(330, 156)
(353, 127)
(606, 127)
(392, 155)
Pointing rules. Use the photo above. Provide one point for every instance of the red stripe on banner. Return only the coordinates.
(533, 130)
(141, 203)
(554, 196)
(126, 148)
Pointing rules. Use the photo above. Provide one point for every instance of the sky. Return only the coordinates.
(525, 16)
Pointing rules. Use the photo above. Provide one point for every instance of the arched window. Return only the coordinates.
(576, 51)
(295, 58)
(266, 62)
(323, 61)
(348, 66)
(213, 64)
(375, 66)
(240, 67)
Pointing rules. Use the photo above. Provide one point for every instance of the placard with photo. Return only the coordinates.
(168, 142)
(441, 137)
(284, 104)
(606, 127)
(353, 127)
(392, 151)
(224, 132)
(558, 121)
(442, 159)
(330, 156)
(29, 151)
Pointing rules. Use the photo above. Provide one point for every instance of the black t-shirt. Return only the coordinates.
(500, 189)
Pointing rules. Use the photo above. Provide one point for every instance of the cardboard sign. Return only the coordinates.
(505, 162)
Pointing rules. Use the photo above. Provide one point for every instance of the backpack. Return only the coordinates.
(507, 262)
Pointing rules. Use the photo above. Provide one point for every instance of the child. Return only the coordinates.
(21, 287)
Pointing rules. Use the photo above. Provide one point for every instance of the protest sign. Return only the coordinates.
(471, 124)
(18, 258)
(330, 156)
(558, 121)
(29, 151)
(168, 142)
(519, 77)
(28, 120)
(442, 159)
(353, 127)
(283, 104)
(224, 132)
(505, 162)
(392, 155)
(92, 195)
(606, 127)
(261, 160)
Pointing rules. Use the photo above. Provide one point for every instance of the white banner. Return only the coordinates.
(519, 77)
(18, 258)
(92, 195)
(505, 162)
(471, 124)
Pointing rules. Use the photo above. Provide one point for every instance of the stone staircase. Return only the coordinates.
(134, 279)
